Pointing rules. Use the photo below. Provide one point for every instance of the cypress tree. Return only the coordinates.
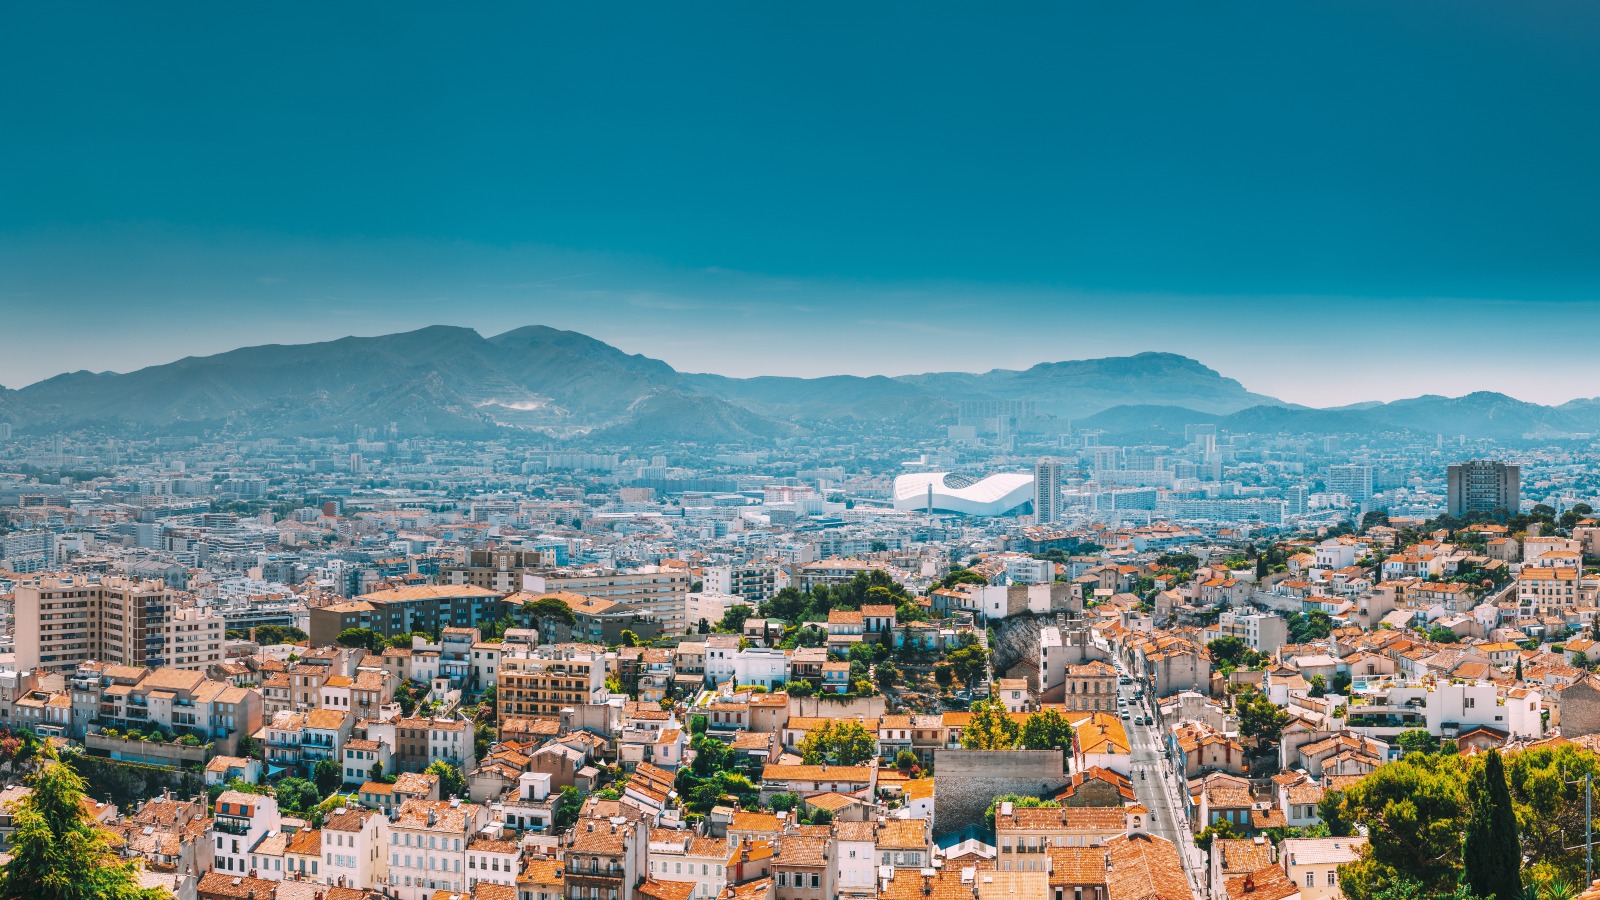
(1491, 851)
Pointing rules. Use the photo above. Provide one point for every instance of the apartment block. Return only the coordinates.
(426, 608)
(64, 621)
(543, 680)
(659, 593)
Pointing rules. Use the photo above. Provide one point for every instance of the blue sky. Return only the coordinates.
(1330, 202)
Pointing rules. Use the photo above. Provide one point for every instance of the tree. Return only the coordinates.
(969, 663)
(1413, 811)
(1519, 659)
(784, 802)
(1491, 852)
(568, 805)
(887, 675)
(733, 619)
(297, 795)
(1227, 649)
(451, 784)
(1417, 740)
(376, 773)
(1221, 828)
(990, 728)
(1017, 801)
(1442, 635)
(800, 688)
(59, 854)
(841, 742)
(1047, 730)
(267, 635)
(1307, 627)
(905, 759)
(962, 576)
(1335, 815)
(327, 775)
(1318, 686)
(545, 613)
(1260, 719)
(364, 638)
(629, 639)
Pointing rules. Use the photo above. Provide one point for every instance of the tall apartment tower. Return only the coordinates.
(1046, 491)
(1483, 485)
(1354, 482)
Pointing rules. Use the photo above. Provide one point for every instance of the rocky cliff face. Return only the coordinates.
(1015, 640)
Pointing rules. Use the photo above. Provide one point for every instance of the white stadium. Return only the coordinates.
(951, 492)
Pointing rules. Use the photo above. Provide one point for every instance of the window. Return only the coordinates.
(1311, 879)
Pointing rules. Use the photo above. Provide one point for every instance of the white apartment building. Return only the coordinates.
(353, 843)
(428, 847)
(659, 592)
(241, 822)
(766, 666)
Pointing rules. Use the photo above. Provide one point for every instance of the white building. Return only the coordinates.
(428, 847)
(766, 666)
(353, 844)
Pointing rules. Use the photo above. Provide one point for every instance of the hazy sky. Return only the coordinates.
(1329, 202)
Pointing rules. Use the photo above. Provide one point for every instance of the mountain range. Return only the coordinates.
(451, 381)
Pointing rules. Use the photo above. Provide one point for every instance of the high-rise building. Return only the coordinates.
(1483, 485)
(1046, 491)
(67, 620)
(1352, 481)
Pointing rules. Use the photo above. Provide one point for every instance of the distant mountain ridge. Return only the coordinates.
(451, 381)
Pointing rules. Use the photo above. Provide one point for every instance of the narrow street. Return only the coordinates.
(1158, 788)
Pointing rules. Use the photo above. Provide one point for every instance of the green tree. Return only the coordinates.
(887, 675)
(59, 854)
(547, 612)
(1221, 828)
(297, 795)
(1307, 627)
(840, 742)
(568, 805)
(364, 638)
(278, 634)
(629, 639)
(1335, 814)
(784, 802)
(1491, 852)
(1260, 719)
(327, 775)
(962, 576)
(1442, 635)
(944, 674)
(1227, 649)
(1017, 801)
(905, 759)
(1318, 686)
(990, 728)
(1413, 810)
(733, 619)
(1417, 740)
(451, 784)
(1047, 730)
(800, 688)
(969, 663)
